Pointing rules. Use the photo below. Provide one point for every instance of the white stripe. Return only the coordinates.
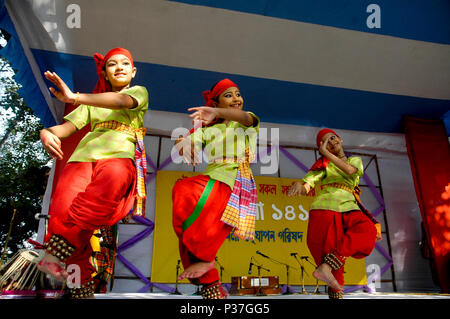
(205, 38)
(17, 20)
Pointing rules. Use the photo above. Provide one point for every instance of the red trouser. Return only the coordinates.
(349, 234)
(90, 195)
(203, 238)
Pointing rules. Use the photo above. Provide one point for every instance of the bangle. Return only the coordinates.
(77, 98)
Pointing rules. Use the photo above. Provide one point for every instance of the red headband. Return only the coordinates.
(100, 60)
(217, 90)
(322, 162)
(322, 133)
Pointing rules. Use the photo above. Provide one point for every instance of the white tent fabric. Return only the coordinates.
(297, 72)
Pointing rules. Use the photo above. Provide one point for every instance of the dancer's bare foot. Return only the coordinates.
(197, 270)
(323, 272)
(51, 265)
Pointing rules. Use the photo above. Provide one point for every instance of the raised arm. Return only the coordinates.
(207, 114)
(109, 100)
(339, 162)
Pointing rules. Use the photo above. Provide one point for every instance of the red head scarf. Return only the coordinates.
(210, 95)
(322, 162)
(221, 86)
(322, 133)
(100, 60)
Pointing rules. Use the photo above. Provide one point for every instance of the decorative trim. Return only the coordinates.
(213, 291)
(335, 294)
(334, 261)
(59, 247)
(86, 290)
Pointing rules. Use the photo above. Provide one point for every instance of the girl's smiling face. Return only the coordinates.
(119, 71)
(230, 98)
(334, 143)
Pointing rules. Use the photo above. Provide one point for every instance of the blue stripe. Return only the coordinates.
(175, 89)
(411, 19)
(14, 53)
(446, 119)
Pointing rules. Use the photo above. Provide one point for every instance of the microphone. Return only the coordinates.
(259, 253)
(250, 266)
(293, 254)
(39, 216)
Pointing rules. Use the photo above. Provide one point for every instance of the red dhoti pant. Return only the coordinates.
(89, 196)
(198, 204)
(348, 234)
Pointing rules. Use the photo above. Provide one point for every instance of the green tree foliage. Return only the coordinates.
(24, 165)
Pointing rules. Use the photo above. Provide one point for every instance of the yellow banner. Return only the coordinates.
(281, 230)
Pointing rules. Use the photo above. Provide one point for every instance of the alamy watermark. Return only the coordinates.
(374, 277)
(74, 278)
(73, 20)
(212, 145)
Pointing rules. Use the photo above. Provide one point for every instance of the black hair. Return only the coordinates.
(215, 99)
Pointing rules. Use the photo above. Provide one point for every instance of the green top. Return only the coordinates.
(331, 198)
(226, 140)
(105, 143)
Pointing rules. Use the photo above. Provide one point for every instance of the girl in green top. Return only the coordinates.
(339, 227)
(207, 207)
(104, 175)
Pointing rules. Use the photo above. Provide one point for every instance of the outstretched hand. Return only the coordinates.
(205, 114)
(323, 147)
(296, 189)
(52, 144)
(187, 151)
(64, 94)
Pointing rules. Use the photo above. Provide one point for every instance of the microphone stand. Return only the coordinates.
(221, 268)
(302, 272)
(289, 290)
(176, 292)
(259, 266)
(316, 290)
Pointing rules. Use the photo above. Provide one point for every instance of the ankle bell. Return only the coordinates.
(334, 261)
(86, 290)
(59, 247)
(213, 291)
(335, 294)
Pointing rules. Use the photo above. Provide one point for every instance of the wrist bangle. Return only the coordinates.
(77, 98)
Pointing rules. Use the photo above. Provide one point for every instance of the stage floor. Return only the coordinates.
(356, 295)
